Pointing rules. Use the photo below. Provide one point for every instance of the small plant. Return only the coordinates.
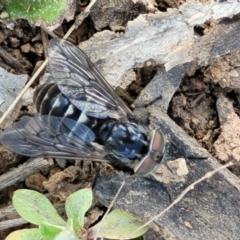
(37, 209)
(51, 12)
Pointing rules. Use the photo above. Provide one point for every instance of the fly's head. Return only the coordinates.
(154, 155)
(130, 145)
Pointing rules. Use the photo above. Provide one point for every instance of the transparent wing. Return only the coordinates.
(49, 136)
(80, 81)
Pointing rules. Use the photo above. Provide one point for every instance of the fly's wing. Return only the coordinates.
(79, 80)
(49, 136)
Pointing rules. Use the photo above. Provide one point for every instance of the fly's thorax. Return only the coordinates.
(132, 145)
(125, 141)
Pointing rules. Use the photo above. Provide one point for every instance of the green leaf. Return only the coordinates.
(15, 235)
(36, 208)
(35, 10)
(70, 224)
(118, 225)
(31, 234)
(77, 205)
(49, 231)
(66, 235)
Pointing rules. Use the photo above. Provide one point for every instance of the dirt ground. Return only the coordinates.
(193, 107)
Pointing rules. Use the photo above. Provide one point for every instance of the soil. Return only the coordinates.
(193, 107)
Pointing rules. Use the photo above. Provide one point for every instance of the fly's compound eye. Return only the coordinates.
(154, 155)
(146, 166)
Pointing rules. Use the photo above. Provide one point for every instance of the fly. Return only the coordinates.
(82, 117)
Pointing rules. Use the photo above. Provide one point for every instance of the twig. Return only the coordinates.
(13, 62)
(184, 192)
(52, 34)
(79, 19)
(23, 91)
(109, 208)
(12, 223)
(84, 14)
(7, 211)
(45, 41)
(23, 171)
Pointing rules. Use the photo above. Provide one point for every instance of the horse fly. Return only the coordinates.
(82, 117)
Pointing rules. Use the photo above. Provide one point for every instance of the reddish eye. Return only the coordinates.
(158, 142)
(146, 166)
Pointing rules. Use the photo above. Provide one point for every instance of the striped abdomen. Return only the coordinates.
(50, 101)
